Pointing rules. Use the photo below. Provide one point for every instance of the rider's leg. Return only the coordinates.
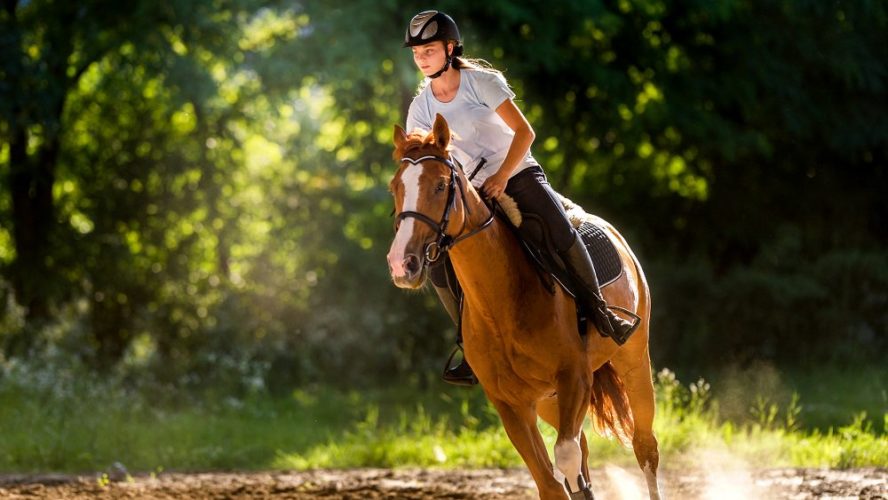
(532, 193)
(448, 290)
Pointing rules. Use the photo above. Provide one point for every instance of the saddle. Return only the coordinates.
(548, 264)
(604, 255)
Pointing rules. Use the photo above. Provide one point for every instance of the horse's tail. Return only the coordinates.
(611, 415)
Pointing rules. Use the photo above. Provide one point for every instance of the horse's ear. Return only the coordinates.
(400, 137)
(442, 132)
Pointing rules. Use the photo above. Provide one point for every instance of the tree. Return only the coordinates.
(48, 49)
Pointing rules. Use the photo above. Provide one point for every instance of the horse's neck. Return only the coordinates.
(489, 264)
(491, 267)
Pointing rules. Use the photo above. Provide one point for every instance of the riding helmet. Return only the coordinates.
(430, 26)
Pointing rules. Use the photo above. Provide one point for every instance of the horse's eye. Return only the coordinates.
(440, 187)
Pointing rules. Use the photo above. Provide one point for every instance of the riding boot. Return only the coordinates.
(462, 373)
(580, 267)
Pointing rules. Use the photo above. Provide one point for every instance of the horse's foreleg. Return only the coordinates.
(574, 393)
(548, 411)
(520, 425)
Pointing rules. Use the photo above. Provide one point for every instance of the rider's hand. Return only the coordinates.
(495, 185)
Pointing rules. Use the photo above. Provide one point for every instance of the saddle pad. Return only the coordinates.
(605, 258)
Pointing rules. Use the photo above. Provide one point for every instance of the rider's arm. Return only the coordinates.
(524, 136)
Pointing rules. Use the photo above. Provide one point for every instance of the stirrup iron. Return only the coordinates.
(635, 320)
(461, 374)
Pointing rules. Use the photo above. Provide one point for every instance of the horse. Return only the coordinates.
(520, 338)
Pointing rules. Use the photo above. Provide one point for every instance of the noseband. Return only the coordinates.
(443, 242)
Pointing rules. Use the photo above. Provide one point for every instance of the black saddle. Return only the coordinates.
(604, 255)
(550, 267)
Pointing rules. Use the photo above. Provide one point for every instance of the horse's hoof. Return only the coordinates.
(585, 492)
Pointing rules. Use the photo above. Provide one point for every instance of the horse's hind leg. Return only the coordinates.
(634, 368)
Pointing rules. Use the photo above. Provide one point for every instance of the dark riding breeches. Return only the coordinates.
(544, 222)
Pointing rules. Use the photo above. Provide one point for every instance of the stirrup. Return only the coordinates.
(461, 374)
(621, 339)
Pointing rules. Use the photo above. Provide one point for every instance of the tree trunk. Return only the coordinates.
(33, 221)
(31, 181)
(31, 176)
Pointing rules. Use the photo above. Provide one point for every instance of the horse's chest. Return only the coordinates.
(507, 367)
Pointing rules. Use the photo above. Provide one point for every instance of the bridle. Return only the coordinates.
(443, 242)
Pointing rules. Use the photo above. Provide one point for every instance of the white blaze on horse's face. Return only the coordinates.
(397, 256)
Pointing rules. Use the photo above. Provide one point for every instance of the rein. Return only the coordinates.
(443, 243)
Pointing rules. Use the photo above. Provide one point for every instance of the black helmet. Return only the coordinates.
(430, 26)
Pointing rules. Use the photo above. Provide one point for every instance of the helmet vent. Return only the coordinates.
(430, 30)
(419, 21)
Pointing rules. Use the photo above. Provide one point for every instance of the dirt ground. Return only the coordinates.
(489, 484)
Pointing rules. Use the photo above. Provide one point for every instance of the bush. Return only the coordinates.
(833, 309)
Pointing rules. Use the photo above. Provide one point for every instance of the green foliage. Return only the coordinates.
(416, 439)
(830, 449)
(63, 419)
(75, 421)
(789, 311)
(197, 190)
(194, 221)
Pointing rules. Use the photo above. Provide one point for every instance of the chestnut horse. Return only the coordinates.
(521, 339)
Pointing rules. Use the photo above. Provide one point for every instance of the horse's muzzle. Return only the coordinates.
(409, 273)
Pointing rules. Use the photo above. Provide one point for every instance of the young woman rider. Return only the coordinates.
(492, 138)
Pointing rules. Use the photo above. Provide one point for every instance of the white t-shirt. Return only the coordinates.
(478, 132)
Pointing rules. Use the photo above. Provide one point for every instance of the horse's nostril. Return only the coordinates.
(411, 264)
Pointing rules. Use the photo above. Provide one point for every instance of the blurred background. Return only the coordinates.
(194, 193)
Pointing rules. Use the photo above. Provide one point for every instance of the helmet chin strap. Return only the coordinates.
(442, 70)
(450, 56)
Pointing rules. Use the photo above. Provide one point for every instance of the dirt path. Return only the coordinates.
(490, 484)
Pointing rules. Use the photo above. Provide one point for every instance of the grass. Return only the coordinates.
(67, 423)
(830, 395)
